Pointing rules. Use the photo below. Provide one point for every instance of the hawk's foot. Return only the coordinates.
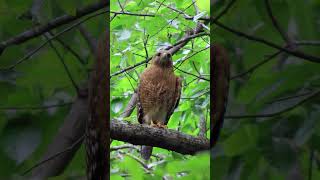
(160, 125)
(153, 125)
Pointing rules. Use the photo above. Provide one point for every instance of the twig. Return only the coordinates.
(254, 67)
(36, 107)
(224, 11)
(125, 146)
(195, 7)
(64, 64)
(132, 14)
(91, 41)
(170, 22)
(195, 67)
(182, 61)
(289, 97)
(55, 155)
(276, 24)
(122, 9)
(295, 53)
(144, 165)
(199, 77)
(276, 113)
(67, 47)
(130, 67)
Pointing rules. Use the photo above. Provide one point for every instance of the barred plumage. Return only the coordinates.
(97, 130)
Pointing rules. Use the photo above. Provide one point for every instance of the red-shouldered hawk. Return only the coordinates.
(158, 94)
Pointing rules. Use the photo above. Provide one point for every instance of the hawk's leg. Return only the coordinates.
(153, 124)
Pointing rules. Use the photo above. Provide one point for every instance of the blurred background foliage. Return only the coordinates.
(27, 126)
(284, 146)
(133, 39)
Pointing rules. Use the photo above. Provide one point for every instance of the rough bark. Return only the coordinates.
(164, 138)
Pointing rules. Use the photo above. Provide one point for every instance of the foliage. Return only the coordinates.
(133, 40)
(273, 147)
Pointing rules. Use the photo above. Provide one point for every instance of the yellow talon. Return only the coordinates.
(153, 125)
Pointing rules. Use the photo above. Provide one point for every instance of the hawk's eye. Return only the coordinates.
(158, 54)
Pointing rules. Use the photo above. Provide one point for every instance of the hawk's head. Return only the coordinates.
(162, 58)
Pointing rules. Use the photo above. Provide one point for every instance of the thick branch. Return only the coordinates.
(59, 21)
(164, 138)
(69, 133)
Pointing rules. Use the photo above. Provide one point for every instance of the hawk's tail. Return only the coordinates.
(146, 152)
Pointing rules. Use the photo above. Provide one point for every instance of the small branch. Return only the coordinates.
(195, 7)
(130, 107)
(145, 42)
(307, 43)
(171, 22)
(195, 68)
(199, 77)
(92, 42)
(132, 14)
(295, 53)
(276, 24)
(125, 146)
(130, 67)
(256, 66)
(312, 96)
(36, 107)
(138, 134)
(122, 9)
(224, 11)
(289, 97)
(64, 64)
(182, 61)
(144, 165)
(188, 38)
(67, 47)
(76, 143)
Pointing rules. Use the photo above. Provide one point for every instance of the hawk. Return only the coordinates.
(158, 94)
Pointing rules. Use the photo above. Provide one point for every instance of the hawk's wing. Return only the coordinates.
(177, 94)
(139, 107)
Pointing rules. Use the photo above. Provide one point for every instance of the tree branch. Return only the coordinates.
(276, 24)
(59, 21)
(295, 53)
(269, 115)
(138, 134)
(69, 133)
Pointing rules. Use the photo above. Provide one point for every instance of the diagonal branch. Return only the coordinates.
(30, 54)
(278, 113)
(276, 24)
(59, 21)
(296, 53)
(61, 59)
